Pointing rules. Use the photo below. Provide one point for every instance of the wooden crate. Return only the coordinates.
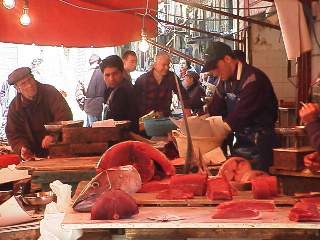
(91, 135)
(290, 158)
(77, 149)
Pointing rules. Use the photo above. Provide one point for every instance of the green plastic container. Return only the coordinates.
(158, 127)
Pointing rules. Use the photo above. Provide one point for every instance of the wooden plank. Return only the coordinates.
(63, 176)
(91, 135)
(192, 217)
(77, 149)
(31, 234)
(304, 173)
(60, 164)
(149, 199)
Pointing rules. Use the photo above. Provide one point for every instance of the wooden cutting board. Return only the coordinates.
(149, 199)
(60, 164)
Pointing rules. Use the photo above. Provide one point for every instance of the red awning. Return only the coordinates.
(71, 23)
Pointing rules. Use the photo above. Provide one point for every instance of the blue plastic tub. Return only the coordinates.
(158, 127)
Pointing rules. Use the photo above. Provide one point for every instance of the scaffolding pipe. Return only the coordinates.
(176, 52)
(193, 3)
(201, 31)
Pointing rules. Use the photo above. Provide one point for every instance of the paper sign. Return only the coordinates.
(11, 174)
(214, 157)
(104, 123)
(12, 213)
(198, 127)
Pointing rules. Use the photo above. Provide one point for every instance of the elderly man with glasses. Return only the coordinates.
(35, 105)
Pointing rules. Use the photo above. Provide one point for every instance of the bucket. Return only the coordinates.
(204, 144)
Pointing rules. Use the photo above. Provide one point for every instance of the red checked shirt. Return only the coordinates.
(154, 96)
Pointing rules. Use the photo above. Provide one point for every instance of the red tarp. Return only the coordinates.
(54, 22)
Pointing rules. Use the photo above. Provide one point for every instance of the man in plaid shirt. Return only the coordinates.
(154, 88)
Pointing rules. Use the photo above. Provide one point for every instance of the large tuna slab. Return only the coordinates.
(149, 161)
(125, 178)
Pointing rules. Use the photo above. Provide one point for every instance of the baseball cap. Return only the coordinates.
(19, 74)
(215, 52)
(193, 74)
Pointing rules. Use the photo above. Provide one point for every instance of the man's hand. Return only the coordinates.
(47, 140)
(309, 113)
(312, 161)
(26, 154)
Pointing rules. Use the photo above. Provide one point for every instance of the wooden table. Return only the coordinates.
(68, 170)
(197, 222)
(297, 181)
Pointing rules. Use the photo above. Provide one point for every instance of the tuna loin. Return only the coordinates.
(114, 204)
(264, 187)
(218, 188)
(155, 186)
(174, 194)
(304, 212)
(230, 213)
(196, 183)
(261, 205)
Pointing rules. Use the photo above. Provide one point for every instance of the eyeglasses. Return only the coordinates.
(23, 83)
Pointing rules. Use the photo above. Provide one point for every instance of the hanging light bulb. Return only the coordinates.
(9, 4)
(25, 18)
(143, 45)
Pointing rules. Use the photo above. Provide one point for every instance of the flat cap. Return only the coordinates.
(18, 74)
(215, 52)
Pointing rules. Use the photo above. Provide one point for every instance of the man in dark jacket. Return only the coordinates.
(35, 105)
(90, 92)
(195, 92)
(120, 99)
(246, 100)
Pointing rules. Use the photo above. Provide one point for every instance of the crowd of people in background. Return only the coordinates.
(157, 87)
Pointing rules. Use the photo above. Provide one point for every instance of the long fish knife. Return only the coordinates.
(187, 166)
